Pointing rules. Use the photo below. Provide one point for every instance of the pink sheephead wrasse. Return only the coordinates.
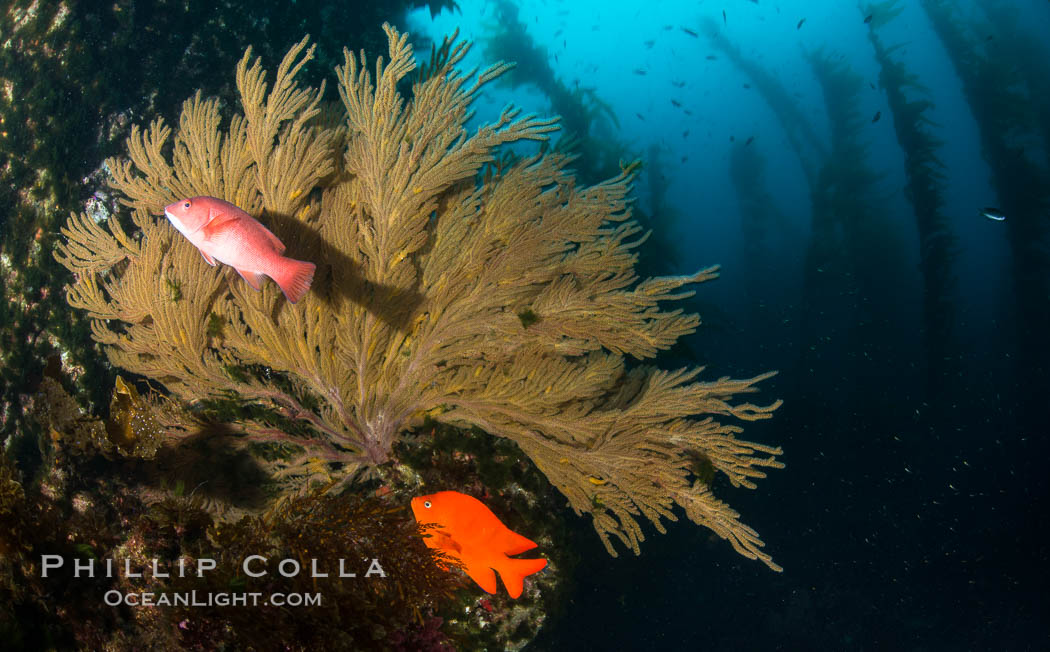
(222, 232)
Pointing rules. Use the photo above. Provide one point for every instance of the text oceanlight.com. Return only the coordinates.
(194, 598)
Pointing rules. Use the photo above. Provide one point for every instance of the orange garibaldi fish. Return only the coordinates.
(222, 232)
(467, 531)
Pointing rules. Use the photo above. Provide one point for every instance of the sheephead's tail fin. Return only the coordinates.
(294, 277)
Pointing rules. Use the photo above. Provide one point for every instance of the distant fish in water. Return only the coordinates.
(223, 232)
(992, 214)
(724, 21)
(685, 134)
(689, 32)
(747, 85)
(732, 139)
(649, 44)
(676, 103)
(639, 71)
(872, 84)
(799, 26)
(467, 531)
(712, 57)
(640, 116)
(878, 114)
(749, 141)
(867, 19)
(678, 84)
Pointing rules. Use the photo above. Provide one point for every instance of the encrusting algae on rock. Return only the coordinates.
(497, 297)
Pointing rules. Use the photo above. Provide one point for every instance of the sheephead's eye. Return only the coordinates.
(426, 504)
(186, 205)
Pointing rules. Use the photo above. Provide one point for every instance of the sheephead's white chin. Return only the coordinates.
(177, 223)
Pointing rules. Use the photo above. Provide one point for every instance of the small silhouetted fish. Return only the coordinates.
(685, 134)
(799, 26)
(668, 27)
(678, 84)
(878, 114)
(684, 159)
(872, 84)
(992, 213)
(747, 85)
(867, 19)
(688, 112)
(676, 103)
(990, 37)
(712, 57)
(640, 116)
(559, 32)
(732, 139)
(724, 22)
(639, 71)
(555, 58)
(689, 32)
(649, 44)
(749, 141)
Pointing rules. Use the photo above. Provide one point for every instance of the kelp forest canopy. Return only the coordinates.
(501, 297)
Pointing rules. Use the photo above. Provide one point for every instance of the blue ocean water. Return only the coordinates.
(910, 514)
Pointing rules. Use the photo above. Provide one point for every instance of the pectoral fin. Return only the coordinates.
(207, 258)
(217, 222)
(254, 278)
(446, 543)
